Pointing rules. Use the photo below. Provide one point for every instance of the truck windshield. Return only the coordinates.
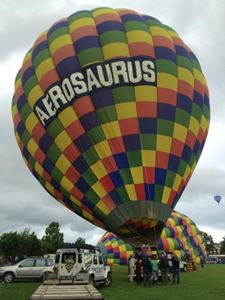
(68, 256)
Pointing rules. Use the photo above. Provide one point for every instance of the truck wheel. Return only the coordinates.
(8, 277)
(108, 280)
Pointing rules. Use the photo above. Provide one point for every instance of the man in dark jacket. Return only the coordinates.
(176, 269)
(164, 267)
(147, 270)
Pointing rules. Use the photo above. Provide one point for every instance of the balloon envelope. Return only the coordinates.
(181, 234)
(111, 113)
(115, 250)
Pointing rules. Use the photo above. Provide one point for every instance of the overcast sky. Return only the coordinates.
(23, 202)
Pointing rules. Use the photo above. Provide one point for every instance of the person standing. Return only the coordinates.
(138, 266)
(176, 269)
(202, 261)
(155, 269)
(131, 265)
(147, 270)
(164, 267)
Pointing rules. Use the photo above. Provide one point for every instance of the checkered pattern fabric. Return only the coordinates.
(114, 249)
(113, 145)
(180, 236)
(181, 233)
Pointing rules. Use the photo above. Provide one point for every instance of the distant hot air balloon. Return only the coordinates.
(111, 113)
(217, 198)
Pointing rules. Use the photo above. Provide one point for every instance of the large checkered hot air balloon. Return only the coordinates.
(111, 113)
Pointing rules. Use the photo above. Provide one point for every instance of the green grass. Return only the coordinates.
(205, 284)
(18, 290)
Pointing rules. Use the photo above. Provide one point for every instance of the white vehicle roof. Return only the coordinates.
(78, 250)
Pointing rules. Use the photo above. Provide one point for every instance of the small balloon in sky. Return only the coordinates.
(218, 198)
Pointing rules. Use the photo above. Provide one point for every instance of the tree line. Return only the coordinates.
(210, 245)
(26, 243)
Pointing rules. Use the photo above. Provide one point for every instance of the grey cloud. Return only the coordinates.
(207, 181)
(34, 208)
(204, 212)
(21, 23)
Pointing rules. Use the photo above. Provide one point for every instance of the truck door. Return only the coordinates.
(80, 263)
(101, 267)
(67, 264)
(98, 267)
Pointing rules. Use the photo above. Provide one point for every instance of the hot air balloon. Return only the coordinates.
(115, 250)
(111, 113)
(217, 198)
(180, 236)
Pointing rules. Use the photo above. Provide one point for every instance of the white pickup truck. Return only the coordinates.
(82, 264)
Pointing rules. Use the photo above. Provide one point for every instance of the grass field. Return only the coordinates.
(205, 284)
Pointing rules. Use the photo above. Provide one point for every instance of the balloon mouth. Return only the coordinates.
(138, 222)
(137, 225)
(139, 231)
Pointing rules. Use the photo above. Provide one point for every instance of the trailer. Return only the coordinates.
(66, 292)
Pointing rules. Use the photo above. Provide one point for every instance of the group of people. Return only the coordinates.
(151, 267)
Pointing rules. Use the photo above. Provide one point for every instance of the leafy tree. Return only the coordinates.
(28, 244)
(53, 238)
(45, 246)
(20, 244)
(80, 242)
(9, 244)
(209, 243)
(222, 249)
